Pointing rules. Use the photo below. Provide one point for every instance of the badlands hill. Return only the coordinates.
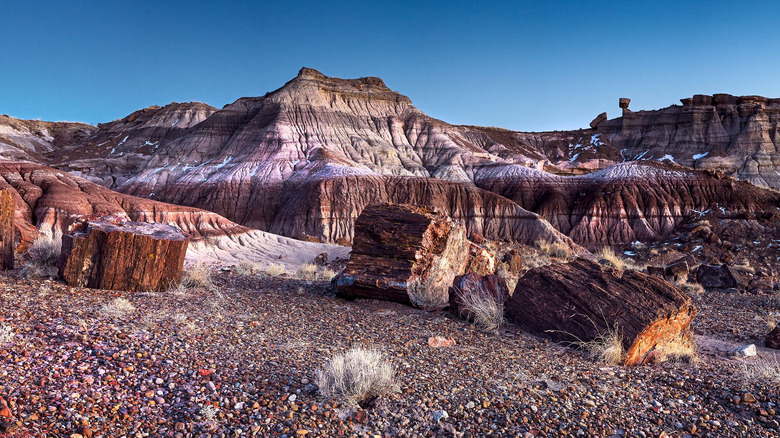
(307, 158)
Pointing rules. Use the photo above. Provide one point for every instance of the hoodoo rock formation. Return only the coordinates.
(582, 301)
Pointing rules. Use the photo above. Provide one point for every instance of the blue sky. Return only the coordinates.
(519, 65)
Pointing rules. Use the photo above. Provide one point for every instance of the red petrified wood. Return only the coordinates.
(7, 211)
(580, 301)
(406, 254)
(132, 256)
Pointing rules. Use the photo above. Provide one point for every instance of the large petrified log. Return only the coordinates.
(406, 254)
(7, 211)
(582, 301)
(133, 256)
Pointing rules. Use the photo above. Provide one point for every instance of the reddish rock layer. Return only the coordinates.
(50, 200)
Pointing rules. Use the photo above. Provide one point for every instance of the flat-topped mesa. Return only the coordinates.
(723, 99)
(109, 253)
(368, 87)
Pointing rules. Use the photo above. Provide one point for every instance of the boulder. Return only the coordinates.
(599, 118)
(680, 268)
(719, 277)
(109, 253)
(773, 339)
(623, 102)
(581, 301)
(406, 254)
(478, 286)
(7, 234)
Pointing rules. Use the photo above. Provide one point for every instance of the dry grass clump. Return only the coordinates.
(275, 270)
(763, 370)
(684, 351)
(6, 335)
(198, 276)
(118, 308)
(357, 377)
(325, 274)
(307, 271)
(245, 267)
(43, 256)
(608, 255)
(486, 310)
(694, 290)
(556, 249)
(607, 347)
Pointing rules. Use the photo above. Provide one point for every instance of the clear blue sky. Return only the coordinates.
(537, 65)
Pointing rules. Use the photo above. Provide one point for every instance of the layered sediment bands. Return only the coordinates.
(328, 208)
(50, 200)
(626, 202)
(736, 135)
(119, 149)
(32, 140)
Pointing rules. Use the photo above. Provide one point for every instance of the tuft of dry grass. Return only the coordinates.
(763, 370)
(198, 276)
(118, 308)
(486, 310)
(43, 256)
(275, 270)
(608, 255)
(326, 274)
(607, 347)
(357, 376)
(307, 271)
(555, 249)
(694, 290)
(684, 351)
(246, 267)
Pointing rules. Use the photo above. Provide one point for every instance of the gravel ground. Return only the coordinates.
(241, 361)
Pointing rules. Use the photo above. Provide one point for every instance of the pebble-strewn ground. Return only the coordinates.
(242, 361)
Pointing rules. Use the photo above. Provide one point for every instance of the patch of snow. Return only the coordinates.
(629, 253)
(700, 156)
(174, 123)
(595, 140)
(667, 157)
(224, 162)
(574, 158)
(698, 247)
(639, 157)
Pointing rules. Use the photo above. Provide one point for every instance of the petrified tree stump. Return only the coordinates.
(581, 301)
(131, 256)
(405, 254)
(7, 209)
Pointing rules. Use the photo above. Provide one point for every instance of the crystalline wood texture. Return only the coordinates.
(130, 256)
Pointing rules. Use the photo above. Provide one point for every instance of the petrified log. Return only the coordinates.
(476, 286)
(406, 254)
(7, 210)
(581, 301)
(133, 256)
